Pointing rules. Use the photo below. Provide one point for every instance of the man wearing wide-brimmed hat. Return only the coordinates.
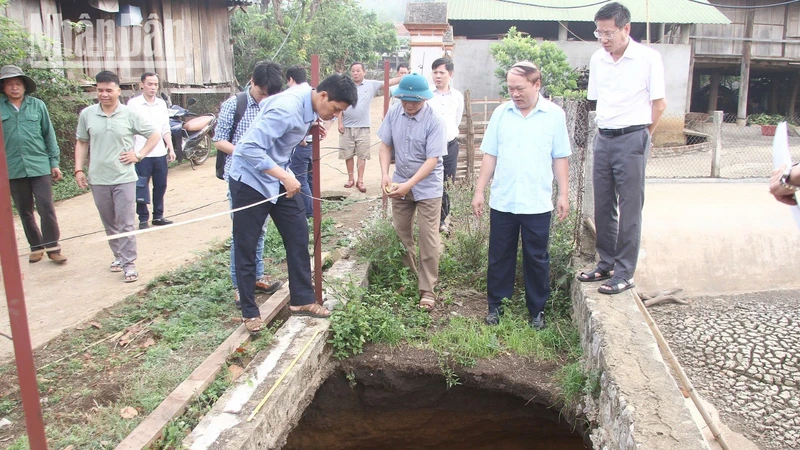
(32, 155)
(418, 136)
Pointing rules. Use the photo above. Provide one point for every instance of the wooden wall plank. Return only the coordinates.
(208, 40)
(211, 59)
(198, 50)
(171, 71)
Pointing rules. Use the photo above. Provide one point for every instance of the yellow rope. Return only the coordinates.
(279, 380)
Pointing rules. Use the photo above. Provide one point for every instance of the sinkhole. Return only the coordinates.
(394, 410)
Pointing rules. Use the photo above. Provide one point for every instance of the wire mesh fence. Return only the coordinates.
(473, 126)
(697, 145)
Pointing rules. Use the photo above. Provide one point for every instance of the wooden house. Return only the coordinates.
(761, 43)
(187, 42)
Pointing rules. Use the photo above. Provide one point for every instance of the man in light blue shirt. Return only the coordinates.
(260, 175)
(526, 142)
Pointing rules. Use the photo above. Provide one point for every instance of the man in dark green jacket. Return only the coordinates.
(32, 155)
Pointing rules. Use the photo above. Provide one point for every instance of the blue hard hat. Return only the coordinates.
(413, 88)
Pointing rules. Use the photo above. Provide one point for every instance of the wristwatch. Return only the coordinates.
(138, 156)
(784, 180)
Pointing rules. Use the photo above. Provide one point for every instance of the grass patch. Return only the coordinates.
(184, 314)
(387, 311)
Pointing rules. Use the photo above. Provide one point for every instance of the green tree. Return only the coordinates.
(62, 96)
(559, 78)
(340, 31)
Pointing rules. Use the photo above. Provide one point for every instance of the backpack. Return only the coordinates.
(241, 106)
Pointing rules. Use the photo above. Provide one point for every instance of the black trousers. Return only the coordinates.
(289, 216)
(450, 162)
(39, 190)
(504, 232)
(156, 168)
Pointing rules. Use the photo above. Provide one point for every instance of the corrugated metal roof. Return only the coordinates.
(660, 11)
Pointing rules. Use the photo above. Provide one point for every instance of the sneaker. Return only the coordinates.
(537, 323)
(36, 256)
(143, 225)
(236, 299)
(254, 325)
(267, 286)
(161, 222)
(57, 257)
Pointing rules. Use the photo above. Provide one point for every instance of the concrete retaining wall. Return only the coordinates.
(639, 406)
(226, 426)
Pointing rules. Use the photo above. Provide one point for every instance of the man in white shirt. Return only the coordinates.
(448, 103)
(354, 139)
(627, 80)
(154, 165)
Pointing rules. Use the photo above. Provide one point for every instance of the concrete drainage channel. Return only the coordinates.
(305, 399)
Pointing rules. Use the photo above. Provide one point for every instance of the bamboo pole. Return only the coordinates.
(470, 137)
(676, 366)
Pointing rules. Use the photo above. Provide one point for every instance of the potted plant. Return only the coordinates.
(768, 122)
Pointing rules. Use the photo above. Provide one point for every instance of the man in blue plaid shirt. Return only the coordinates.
(267, 79)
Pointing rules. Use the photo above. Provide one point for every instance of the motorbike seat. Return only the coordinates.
(199, 123)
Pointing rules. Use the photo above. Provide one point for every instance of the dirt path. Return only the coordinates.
(62, 297)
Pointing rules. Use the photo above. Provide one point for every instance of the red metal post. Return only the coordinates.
(17, 314)
(316, 192)
(387, 95)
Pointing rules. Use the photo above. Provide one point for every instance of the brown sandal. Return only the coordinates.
(311, 310)
(427, 301)
(361, 187)
(349, 184)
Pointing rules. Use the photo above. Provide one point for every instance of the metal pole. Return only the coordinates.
(315, 176)
(386, 97)
(17, 313)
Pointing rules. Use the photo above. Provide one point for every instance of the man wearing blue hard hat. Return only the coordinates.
(418, 136)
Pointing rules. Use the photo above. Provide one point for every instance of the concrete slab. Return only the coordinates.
(639, 405)
(226, 426)
(714, 238)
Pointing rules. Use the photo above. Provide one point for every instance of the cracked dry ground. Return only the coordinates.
(742, 353)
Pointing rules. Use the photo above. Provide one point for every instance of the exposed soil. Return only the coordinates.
(400, 402)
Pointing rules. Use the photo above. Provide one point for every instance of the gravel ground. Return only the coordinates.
(742, 353)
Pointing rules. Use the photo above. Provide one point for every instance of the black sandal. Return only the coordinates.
(615, 286)
(595, 275)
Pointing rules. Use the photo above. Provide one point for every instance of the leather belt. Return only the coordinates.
(607, 132)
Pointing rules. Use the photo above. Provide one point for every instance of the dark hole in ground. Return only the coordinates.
(418, 411)
(335, 198)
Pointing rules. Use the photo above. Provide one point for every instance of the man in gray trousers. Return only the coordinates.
(627, 80)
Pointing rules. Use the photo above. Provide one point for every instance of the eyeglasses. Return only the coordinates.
(605, 34)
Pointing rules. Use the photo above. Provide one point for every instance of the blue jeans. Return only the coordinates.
(259, 251)
(300, 166)
(156, 168)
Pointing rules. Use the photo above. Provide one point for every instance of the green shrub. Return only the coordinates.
(559, 78)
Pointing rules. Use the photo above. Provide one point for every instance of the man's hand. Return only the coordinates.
(128, 157)
(477, 204)
(80, 178)
(562, 207)
(303, 143)
(291, 185)
(400, 190)
(341, 127)
(56, 173)
(781, 194)
(386, 183)
(171, 155)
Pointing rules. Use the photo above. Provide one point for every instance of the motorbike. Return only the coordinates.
(191, 134)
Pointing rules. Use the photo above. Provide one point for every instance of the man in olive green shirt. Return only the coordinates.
(32, 156)
(106, 129)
